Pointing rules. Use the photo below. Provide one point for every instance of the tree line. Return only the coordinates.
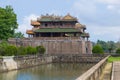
(106, 47)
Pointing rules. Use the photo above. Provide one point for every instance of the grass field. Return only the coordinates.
(112, 59)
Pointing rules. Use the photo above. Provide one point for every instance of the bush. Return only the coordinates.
(10, 50)
(40, 49)
(31, 50)
(97, 49)
(2, 51)
(118, 51)
(21, 50)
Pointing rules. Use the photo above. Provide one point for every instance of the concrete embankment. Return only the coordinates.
(9, 63)
(12, 63)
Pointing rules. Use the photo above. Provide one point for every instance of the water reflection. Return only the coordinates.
(63, 71)
(8, 75)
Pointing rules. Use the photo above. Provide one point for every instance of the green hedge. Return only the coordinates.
(11, 50)
(40, 49)
(118, 51)
(31, 50)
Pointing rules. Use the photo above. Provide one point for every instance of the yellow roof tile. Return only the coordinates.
(36, 23)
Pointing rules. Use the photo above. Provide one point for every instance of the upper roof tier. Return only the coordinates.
(47, 17)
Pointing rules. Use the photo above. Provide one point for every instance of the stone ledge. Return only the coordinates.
(92, 70)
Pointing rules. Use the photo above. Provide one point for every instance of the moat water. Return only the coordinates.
(55, 71)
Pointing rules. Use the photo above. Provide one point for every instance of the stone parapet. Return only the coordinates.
(94, 72)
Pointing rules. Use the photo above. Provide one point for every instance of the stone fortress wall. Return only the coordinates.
(53, 46)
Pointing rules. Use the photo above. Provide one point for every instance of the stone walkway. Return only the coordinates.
(116, 71)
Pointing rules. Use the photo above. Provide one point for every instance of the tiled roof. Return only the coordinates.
(47, 17)
(78, 25)
(69, 17)
(29, 32)
(57, 30)
(35, 23)
(85, 35)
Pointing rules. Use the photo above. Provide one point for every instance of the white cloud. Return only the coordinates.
(26, 23)
(104, 33)
(101, 18)
(114, 2)
(110, 7)
(111, 4)
(84, 7)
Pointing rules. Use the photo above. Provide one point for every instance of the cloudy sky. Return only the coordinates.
(101, 17)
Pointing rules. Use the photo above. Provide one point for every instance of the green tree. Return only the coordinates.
(8, 22)
(118, 51)
(31, 50)
(10, 50)
(40, 49)
(3, 45)
(21, 51)
(97, 49)
(108, 46)
(103, 44)
(111, 46)
(18, 35)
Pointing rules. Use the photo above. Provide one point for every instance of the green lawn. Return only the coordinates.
(112, 59)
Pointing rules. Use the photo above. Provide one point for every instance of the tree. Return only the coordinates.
(8, 22)
(40, 49)
(111, 46)
(31, 50)
(108, 46)
(21, 51)
(10, 50)
(6, 49)
(103, 44)
(118, 51)
(18, 35)
(97, 49)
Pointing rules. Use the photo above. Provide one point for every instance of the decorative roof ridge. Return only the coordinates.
(56, 17)
(69, 17)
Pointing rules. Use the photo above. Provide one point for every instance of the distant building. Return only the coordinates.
(57, 26)
(58, 35)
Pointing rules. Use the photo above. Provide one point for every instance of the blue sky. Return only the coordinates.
(101, 17)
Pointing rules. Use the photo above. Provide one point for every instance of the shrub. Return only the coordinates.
(40, 49)
(31, 50)
(10, 50)
(97, 49)
(118, 51)
(2, 51)
(21, 51)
